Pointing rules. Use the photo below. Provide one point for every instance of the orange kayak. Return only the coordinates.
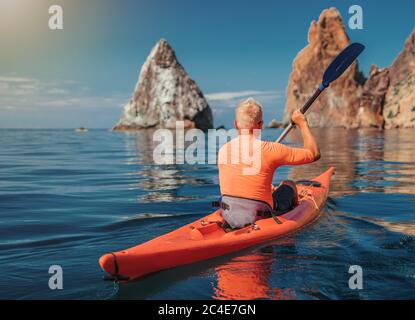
(205, 238)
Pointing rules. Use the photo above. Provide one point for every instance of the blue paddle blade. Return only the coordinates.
(342, 62)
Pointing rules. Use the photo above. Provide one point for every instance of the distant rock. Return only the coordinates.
(339, 105)
(399, 108)
(385, 99)
(372, 98)
(274, 124)
(165, 94)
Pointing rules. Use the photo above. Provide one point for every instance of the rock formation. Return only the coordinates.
(165, 94)
(386, 98)
(275, 124)
(372, 98)
(338, 106)
(399, 108)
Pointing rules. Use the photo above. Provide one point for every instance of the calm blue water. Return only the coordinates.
(66, 198)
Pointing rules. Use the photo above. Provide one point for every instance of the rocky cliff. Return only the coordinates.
(165, 94)
(384, 99)
(338, 106)
(372, 98)
(399, 108)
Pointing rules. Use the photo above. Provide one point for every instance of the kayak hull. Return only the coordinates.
(205, 238)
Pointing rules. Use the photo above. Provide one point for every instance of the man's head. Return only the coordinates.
(248, 115)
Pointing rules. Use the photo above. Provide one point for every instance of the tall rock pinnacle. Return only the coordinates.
(165, 94)
(340, 105)
(385, 99)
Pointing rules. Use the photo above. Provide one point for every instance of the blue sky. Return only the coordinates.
(82, 75)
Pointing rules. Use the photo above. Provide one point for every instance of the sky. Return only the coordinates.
(84, 74)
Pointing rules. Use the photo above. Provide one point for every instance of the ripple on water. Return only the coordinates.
(67, 198)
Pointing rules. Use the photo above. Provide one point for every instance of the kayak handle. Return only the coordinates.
(116, 276)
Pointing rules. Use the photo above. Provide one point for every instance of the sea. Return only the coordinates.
(66, 198)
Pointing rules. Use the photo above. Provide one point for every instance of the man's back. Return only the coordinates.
(235, 164)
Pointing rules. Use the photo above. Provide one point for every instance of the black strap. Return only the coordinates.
(115, 263)
(274, 214)
(264, 202)
(276, 219)
(309, 183)
(116, 276)
(264, 213)
(220, 204)
(215, 204)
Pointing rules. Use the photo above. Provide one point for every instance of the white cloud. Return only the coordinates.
(29, 93)
(220, 100)
(57, 91)
(103, 102)
(223, 104)
(15, 79)
(7, 107)
(229, 96)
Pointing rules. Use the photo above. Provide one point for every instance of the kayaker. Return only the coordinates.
(248, 197)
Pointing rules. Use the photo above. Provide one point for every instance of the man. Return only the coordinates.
(246, 196)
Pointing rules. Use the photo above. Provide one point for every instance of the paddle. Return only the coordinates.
(333, 71)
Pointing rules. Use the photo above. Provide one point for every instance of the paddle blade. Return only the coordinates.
(342, 62)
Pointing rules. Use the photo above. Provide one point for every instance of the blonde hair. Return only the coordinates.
(248, 114)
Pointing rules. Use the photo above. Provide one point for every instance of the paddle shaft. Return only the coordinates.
(303, 110)
(336, 68)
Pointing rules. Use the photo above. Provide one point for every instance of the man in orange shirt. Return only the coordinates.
(247, 192)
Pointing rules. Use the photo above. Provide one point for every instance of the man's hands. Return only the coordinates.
(309, 142)
(299, 119)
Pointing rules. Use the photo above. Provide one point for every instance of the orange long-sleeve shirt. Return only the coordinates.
(236, 166)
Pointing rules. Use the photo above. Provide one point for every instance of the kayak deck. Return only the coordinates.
(205, 238)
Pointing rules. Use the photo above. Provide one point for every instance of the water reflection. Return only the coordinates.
(160, 182)
(366, 160)
(245, 277)
(249, 277)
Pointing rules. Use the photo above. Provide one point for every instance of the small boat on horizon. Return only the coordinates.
(81, 129)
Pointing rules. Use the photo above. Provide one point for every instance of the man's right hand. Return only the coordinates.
(309, 142)
(299, 119)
